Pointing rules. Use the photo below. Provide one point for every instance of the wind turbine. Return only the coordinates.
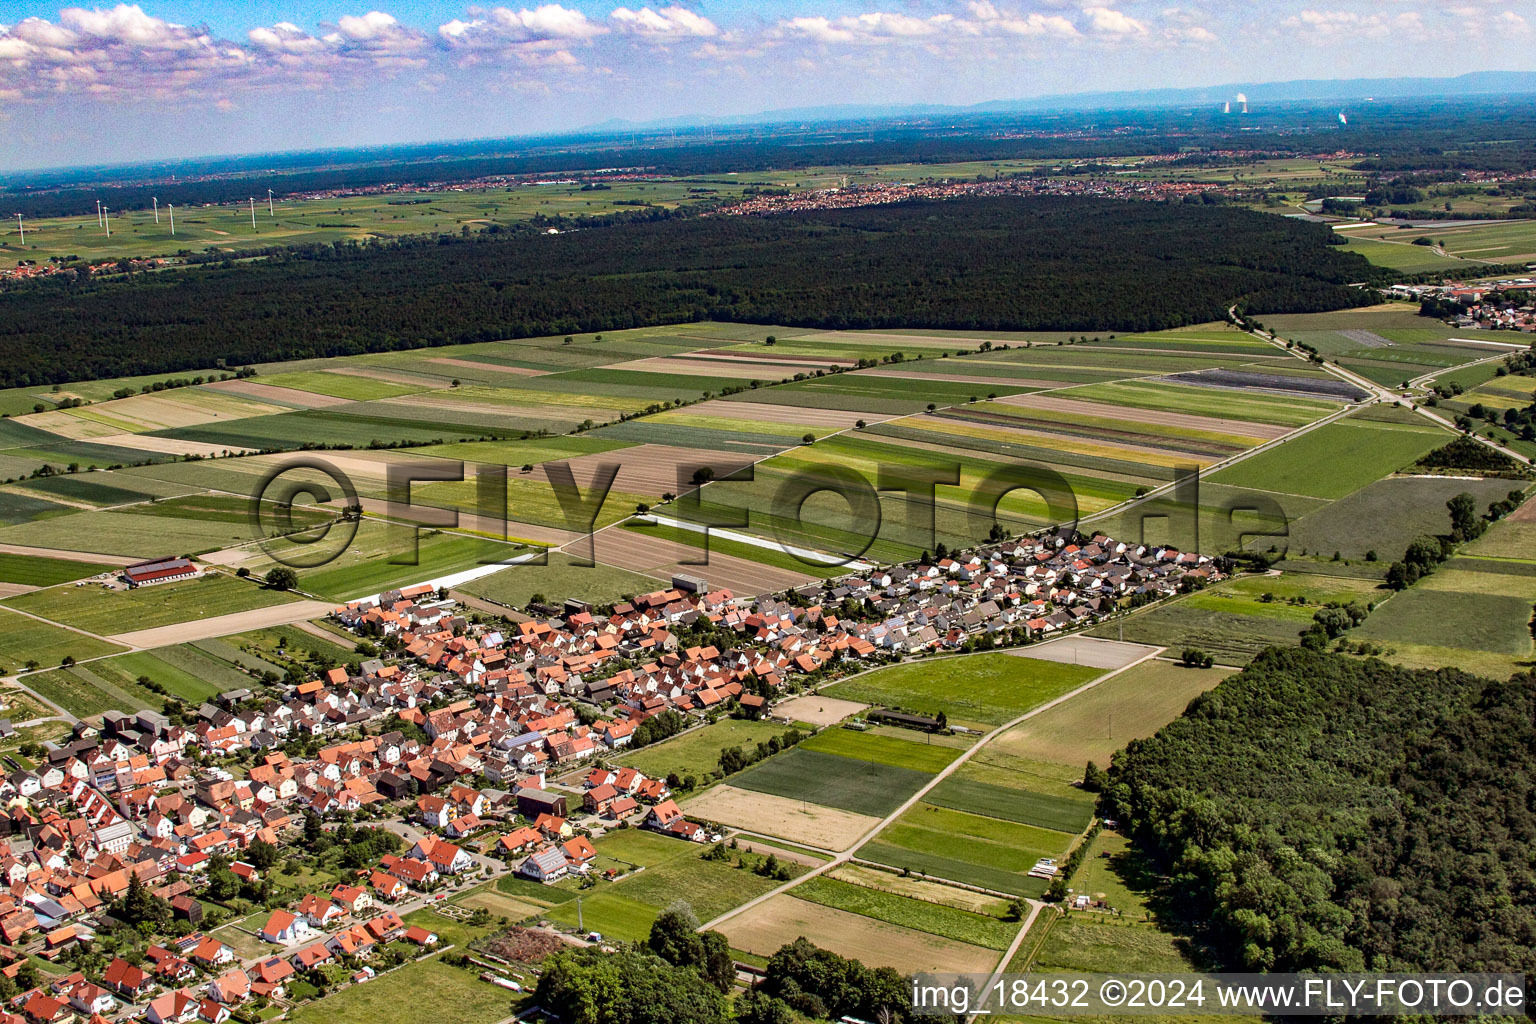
(106, 221)
(23, 229)
(270, 211)
(156, 201)
(253, 213)
(172, 208)
(98, 213)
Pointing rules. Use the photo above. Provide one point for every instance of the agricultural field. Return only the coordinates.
(900, 748)
(298, 221)
(1473, 613)
(625, 909)
(1336, 459)
(997, 784)
(919, 889)
(1234, 622)
(83, 691)
(696, 752)
(561, 576)
(786, 817)
(974, 849)
(1129, 941)
(187, 671)
(1388, 344)
(278, 649)
(907, 912)
(983, 689)
(381, 557)
(37, 571)
(1403, 255)
(394, 998)
(844, 783)
(784, 918)
(1093, 725)
(24, 640)
(104, 611)
(1385, 517)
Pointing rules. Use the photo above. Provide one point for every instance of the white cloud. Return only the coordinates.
(128, 24)
(667, 23)
(873, 27)
(1509, 21)
(1108, 21)
(983, 20)
(285, 37)
(503, 26)
(375, 31)
(1324, 26)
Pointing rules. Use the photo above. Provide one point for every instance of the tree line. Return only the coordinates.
(986, 263)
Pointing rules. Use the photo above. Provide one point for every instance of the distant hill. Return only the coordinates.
(1477, 83)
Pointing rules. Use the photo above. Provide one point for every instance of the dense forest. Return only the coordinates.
(1037, 263)
(1317, 811)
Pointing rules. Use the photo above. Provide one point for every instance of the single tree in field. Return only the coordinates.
(282, 578)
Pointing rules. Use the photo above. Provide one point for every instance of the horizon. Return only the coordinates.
(188, 79)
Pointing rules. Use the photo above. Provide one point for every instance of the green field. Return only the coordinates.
(989, 689)
(84, 692)
(103, 611)
(1386, 516)
(380, 558)
(1334, 460)
(1474, 620)
(1406, 257)
(919, 915)
(697, 751)
(187, 672)
(1129, 705)
(559, 579)
(297, 221)
(626, 908)
(863, 787)
(1013, 804)
(34, 571)
(1097, 942)
(23, 639)
(968, 848)
(899, 751)
(1232, 621)
(395, 998)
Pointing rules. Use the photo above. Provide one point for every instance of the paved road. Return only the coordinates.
(842, 858)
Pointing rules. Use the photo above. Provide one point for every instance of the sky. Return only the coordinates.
(183, 78)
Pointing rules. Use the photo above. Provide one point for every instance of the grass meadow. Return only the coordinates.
(987, 689)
